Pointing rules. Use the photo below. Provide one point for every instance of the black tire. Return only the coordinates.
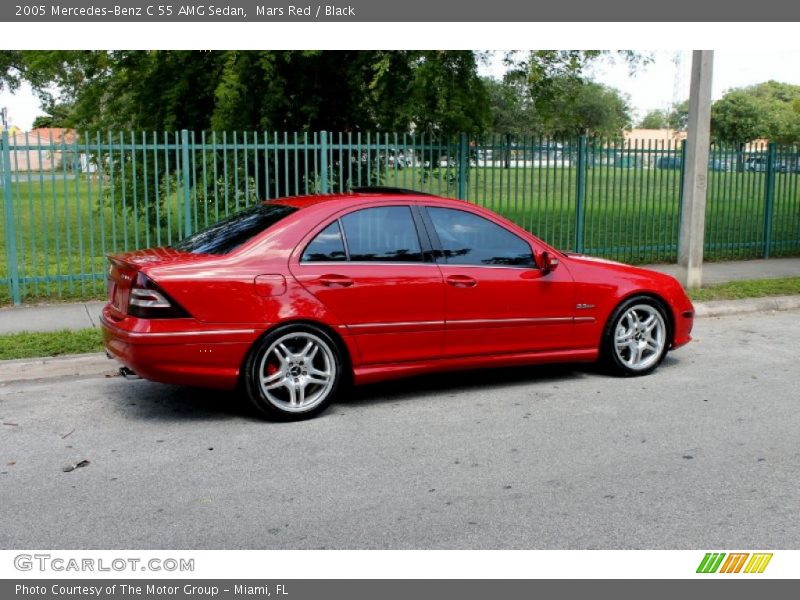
(621, 359)
(275, 380)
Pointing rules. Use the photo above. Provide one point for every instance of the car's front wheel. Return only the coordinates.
(636, 337)
(293, 373)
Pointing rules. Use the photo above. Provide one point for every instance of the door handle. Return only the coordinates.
(335, 281)
(461, 281)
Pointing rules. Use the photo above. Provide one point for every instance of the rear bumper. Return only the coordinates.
(178, 351)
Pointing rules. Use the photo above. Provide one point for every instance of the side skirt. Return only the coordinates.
(374, 373)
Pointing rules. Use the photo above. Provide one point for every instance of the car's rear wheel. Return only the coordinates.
(637, 336)
(293, 373)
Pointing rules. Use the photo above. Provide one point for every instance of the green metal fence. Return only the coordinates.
(68, 203)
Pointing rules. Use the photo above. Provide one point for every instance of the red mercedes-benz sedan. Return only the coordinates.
(294, 299)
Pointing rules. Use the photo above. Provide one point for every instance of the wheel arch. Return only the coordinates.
(337, 338)
(651, 296)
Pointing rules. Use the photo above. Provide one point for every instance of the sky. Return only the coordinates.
(666, 80)
(656, 86)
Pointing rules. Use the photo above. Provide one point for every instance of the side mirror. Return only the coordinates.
(549, 262)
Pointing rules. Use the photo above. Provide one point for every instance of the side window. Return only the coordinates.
(468, 239)
(327, 246)
(382, 234)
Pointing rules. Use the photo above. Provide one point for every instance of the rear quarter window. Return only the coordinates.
(228, 234)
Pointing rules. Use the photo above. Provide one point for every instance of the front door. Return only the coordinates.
(497, 299)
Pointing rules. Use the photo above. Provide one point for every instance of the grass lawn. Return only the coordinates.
(756, 288)
(29, 345)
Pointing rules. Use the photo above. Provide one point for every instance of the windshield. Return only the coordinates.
(229, 233)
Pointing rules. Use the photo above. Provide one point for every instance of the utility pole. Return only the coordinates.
(695, 181)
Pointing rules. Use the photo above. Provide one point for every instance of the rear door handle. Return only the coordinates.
(334, 280)
(461, 281)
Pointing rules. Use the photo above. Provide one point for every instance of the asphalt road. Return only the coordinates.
(705, 453)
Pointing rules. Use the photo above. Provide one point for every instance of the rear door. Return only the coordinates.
(375, 272)
(497, 300)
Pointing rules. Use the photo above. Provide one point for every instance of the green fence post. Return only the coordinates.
(323, 163)
(463, 166)
(581, 195)
(8, 214)
(187, 192)
(769, 197)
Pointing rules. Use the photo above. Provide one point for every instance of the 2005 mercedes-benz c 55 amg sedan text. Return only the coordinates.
(295, 299)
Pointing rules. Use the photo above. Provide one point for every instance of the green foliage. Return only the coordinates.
(512, 109)
(678, 117)
(546, 92)
(655, 119)
(57, 116)
(585, 107)
(10, 69)
(737, 117)
(430, 91)
(766, 110)
(572, 107)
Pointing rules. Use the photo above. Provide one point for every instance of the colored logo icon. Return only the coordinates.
(734, 562)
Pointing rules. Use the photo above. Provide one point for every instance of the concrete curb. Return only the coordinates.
(72, 365)
(721, 308)
(86, 365)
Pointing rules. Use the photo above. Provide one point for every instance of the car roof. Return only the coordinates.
(362, 196)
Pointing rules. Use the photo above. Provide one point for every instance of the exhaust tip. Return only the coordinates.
(128, 373)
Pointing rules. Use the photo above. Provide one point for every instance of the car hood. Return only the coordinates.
(619, 267)
(594, 259)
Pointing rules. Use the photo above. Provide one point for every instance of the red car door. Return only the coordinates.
(497, 300)
(371, 270)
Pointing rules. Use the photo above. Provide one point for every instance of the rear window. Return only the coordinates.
(226, 235)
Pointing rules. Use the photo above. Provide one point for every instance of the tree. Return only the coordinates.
(597, 110)
(766, 110)
(431, 91)
(437, 92)
(564, 100)
(57, 115)
(512, 110)
(10, 69)
(655, 119)
(574, 107)
(737, 117)
(678, 117)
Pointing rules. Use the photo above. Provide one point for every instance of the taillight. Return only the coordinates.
(148, 301)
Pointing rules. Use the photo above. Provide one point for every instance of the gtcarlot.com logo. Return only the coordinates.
(47, 562)
(734, 562)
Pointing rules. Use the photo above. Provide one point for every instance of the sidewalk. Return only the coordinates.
(50, 317)
(79, 315)
(739, 270)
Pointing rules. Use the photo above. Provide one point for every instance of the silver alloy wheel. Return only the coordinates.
(639, 337)
(297, 372)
